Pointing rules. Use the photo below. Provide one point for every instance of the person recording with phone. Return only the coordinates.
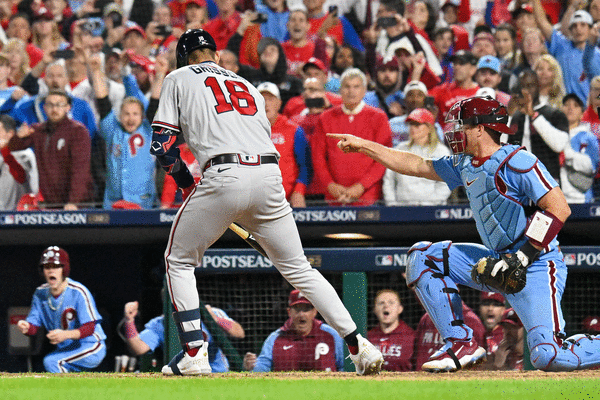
(316, 100)
(331, 23)
(392, 27)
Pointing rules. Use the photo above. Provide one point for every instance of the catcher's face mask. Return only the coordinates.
(455, 131)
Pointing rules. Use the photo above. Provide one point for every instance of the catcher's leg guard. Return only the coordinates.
(426, 273)
(586, 347)
(548, 354)
(189, 328)
(577, 352)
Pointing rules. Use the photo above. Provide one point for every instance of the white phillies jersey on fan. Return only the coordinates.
(217, 111)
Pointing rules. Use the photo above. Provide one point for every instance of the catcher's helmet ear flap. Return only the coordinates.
(56, 256)
(191, 40)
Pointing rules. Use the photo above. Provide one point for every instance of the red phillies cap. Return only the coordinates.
(492, 296)
(140, 61)
(316, 62)
(42, 14)
(421, 116)
(387, 62)
(510, 317)
(135, 28)
(199, 3)
(297, 298)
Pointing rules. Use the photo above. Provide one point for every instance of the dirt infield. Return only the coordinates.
(384, 376)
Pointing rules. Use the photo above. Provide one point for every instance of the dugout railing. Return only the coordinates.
(248, 287)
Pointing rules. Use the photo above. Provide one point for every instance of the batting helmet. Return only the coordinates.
(193, 39)
(54, 255)
(484, 111)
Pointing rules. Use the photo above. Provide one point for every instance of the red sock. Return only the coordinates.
(193, 352)
(353, 349)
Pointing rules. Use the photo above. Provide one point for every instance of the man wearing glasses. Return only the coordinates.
(62, 148)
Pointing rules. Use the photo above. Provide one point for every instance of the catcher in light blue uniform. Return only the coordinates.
(68, 312)
(518, 209)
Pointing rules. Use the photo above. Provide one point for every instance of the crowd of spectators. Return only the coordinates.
(80, 82)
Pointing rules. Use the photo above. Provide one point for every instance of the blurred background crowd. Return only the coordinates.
(80, 82)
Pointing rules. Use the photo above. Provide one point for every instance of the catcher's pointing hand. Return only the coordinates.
(347, 143)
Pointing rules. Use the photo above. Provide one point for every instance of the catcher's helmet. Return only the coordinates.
(484, 111)
(56, 256)
(191, 40)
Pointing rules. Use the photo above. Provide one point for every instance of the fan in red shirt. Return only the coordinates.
(225, 25)
(463, 86)
(350, 178)
(292, 146)
(315, 101)
(20, 28)
(429, 340)
(300, 48)
(322, 24)
(313, 68)
(394, 337)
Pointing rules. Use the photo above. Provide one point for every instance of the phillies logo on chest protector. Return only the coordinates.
(135, 142)
(68, 316)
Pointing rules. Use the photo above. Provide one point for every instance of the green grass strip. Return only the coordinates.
(117, 387)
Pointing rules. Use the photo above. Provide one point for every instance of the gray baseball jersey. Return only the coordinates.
(220, 113)
(211, 107)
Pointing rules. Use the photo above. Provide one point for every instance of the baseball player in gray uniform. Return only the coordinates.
(222, 118)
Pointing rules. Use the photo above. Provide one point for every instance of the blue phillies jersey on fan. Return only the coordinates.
(130, 168)
(73, 308)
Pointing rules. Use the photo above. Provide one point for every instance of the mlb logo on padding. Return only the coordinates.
(570, 259)
(384, 259)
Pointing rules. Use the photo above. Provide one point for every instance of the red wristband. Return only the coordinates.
(224, 323)
(32, 330)
(130, 330)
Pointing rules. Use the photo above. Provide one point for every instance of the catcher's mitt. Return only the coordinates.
(506, 274)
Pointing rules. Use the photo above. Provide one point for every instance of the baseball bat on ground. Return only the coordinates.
(244, 234)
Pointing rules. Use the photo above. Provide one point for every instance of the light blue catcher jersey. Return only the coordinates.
(498, 189)
(73, 308)
(154, 336)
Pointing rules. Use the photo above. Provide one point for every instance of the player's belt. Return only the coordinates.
(242, 159)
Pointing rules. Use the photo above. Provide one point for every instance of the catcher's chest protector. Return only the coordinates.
(500, 220)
